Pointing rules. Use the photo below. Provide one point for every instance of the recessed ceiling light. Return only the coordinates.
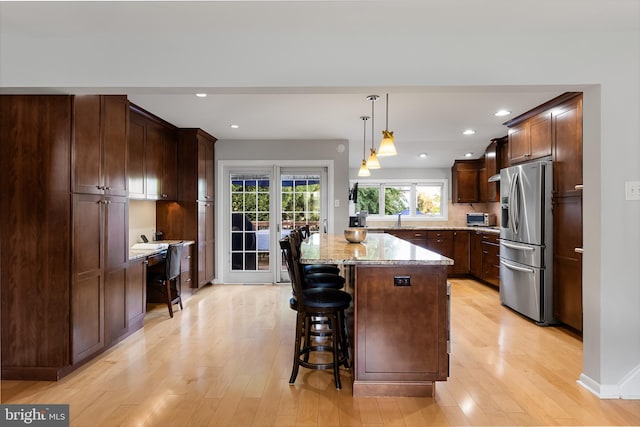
(423, 155)
(501, 113)
(469, 154)
(201, 95)
(469, 132)
(234, 126)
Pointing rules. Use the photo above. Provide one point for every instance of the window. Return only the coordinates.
(422, 199)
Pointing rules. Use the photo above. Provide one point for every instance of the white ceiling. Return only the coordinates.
(247, 86)
(423, 121)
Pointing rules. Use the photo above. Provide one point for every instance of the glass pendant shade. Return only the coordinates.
(372, 161)
(387, 147)
(363, 169)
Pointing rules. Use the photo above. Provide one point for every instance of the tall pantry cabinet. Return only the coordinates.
(192, 216)
(63, 189)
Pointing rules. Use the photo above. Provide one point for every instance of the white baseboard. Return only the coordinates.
(628, 388)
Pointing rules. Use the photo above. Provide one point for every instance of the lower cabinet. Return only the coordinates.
(136, 299)
(484, 256)
(441, 242)
(460, 252)
(417, 237)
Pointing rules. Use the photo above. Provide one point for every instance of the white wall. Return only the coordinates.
(349, 44)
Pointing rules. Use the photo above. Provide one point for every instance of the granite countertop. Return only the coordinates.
(153, 248)
(378, 248)
(492, 229)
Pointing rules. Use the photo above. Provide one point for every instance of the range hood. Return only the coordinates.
(494, 178)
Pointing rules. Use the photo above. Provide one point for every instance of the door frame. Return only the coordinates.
(223, 196)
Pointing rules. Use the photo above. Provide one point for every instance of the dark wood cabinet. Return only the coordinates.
(35, 225)
(490, 191)
(475, 254)
(460, 252)
(401, 331)
(193, 217)
(491, 258)
(153, 153)
(567, 212)
(136, 298)
(530, 138)
(186, 274)
(99, 149)
(465, 175)
(484, 256)
(69, 248)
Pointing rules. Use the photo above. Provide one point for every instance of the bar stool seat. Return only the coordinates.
(312, 303)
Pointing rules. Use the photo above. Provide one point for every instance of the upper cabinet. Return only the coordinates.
(465, 175)
(99, 144)
(470, 178)
(153, 157)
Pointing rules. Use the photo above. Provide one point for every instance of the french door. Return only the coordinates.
(262, 205)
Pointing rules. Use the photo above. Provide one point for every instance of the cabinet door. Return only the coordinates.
(154, 151)
(136, 299)
(115, 285)
(137, 136)
(170, 166)
(475, 254)
(465, 177)
(114, 127)
(567, 264)
(401, 330)
(86, 159)
(206, 250)
(461, 252)
(87, 287)
(567, 158)
(491, 263)
(519, 148)
(205, 169)
(541, 136)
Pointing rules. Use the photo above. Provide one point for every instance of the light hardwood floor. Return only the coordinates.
(225, 360)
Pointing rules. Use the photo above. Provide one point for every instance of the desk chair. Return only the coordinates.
(164, 286)
(316, 302)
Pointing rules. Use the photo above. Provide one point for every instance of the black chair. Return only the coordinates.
(316, 275)
(315, 302)
(164, 286)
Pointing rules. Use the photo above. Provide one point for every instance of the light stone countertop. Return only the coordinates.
(135, 254)
(378, 248)
(381, 229)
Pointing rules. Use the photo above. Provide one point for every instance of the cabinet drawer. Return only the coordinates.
(443, 247)
(186, 259)
(491, 238)
(440, 234)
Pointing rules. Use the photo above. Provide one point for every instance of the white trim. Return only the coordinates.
(444, 205)
(222, 168)
(627, 388)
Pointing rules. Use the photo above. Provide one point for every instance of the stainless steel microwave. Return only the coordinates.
(480, 219)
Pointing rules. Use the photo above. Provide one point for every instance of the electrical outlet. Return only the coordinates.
(632, 190)
(336, 203)
(401, 280)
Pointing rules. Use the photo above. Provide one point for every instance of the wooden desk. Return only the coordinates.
(400, 319)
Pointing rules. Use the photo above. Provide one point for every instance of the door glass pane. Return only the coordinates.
(250, 223)
(300, 202)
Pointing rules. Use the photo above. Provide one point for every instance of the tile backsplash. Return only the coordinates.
(457, 213)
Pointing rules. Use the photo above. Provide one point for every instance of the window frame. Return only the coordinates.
(413, 183)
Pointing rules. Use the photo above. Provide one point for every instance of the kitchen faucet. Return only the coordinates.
(399, 224)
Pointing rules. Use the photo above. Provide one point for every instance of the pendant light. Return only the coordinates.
(372, 161)
(387, 147)
(364, 171)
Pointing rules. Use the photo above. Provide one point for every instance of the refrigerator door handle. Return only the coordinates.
(518, 247)
(517, 268)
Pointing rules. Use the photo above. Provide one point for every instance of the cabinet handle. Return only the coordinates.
(164, 196)
(579, 187)
(107, 188)
(188, 280)
(579, 250)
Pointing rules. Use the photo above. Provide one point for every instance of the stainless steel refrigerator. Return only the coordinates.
(526, 240)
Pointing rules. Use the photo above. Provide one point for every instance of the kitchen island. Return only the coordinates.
(400, 319)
